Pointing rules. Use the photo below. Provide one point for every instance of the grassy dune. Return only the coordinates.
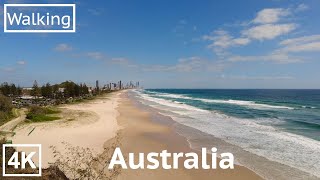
(42, 114)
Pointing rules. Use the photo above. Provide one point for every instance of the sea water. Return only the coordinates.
(276, 133)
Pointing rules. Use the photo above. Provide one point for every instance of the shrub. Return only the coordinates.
(52, 172)
(81, 163)
(40, 114)
(42, 110)
(5, 109)
(5, 104)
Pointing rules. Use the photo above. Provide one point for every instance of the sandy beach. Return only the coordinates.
(86, 125)
(142, 135)
(95, 124)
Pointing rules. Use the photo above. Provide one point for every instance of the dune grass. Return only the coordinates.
(42, 114)
(42, 118)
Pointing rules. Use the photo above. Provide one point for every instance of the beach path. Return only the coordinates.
(11, 125)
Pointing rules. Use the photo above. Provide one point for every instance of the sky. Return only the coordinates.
(173, 44)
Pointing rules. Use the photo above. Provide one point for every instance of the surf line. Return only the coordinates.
(191, 160)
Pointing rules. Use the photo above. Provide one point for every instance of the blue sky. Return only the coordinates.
(174, 44)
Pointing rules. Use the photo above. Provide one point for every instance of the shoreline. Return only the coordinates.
(141, 134)
(194, 129)
(138, 128)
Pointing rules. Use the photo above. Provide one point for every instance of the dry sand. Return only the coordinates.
(142, 135)
(87, 125)
(95, 124)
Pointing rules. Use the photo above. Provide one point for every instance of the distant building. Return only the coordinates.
(97, 84)
(26, 90)
(26, 100)
(61, 90)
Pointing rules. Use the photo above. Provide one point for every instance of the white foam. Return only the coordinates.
(250, 104)
(176, 96)
(309, 107)
(252, 135)
(170, 103)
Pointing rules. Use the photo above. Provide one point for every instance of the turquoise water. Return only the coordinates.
(298, 110)
(280, 125)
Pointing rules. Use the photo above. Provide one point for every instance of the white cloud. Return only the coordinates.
(191, 64)
(21, 62)
(272, 15)
(300, 40)
(307, 47)
(154, 68)
(122, 61)
(95, 55)
(181, 28)
(275, 57)
(63, 47)
(301, 7)
(222, 39)
(265, 26)
(268, 31)
(8, 69)
(283, 55)
(241, 41)
(14, 68)
(269, 24)
(244, 77)
(301, 44)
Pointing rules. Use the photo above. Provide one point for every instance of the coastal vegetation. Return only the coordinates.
(6, 109)
(63, 90)
(7, 89)
(35, 110)
(46, 95)
(38, 99)
(82, 163)
(42, 114)
(53, 172)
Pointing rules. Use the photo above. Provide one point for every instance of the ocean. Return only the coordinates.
(275, 133)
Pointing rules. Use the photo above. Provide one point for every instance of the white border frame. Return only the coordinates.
(20, 175)
(39, 5)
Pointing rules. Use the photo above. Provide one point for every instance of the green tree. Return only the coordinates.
(13, 90)
(5, 104)
(47, 91)
(85, 89)
(5, 89)
(36, 91)
(19, 91)
(76, 90)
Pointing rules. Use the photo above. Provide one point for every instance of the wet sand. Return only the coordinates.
(139, 134)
